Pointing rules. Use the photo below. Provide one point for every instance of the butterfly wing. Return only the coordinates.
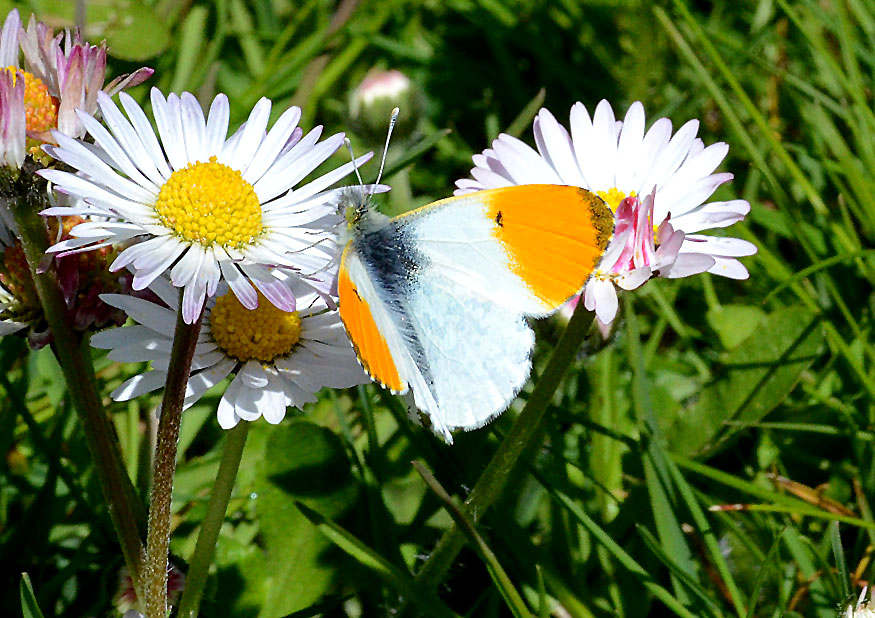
(530, 247)
(435, 300)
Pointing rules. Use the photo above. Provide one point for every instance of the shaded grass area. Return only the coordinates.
(713, 457)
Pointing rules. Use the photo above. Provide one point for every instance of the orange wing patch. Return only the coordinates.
(370, 345)
(554, 235)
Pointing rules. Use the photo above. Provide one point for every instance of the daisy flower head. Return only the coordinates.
(201, 205)
(73, 72)
(618, 159)
(862, 609)
(60, 74)
(278, 358)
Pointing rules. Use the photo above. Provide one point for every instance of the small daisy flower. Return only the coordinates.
(73, 72)
(632, 256)
(204, 207)
(863, 608)
(616, 160)
(278, 358)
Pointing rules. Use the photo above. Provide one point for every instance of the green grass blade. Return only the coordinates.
(29, 607)
(425, 601)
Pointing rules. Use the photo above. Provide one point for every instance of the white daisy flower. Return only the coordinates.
(204, 207)
(616, 160)
(278, 358)
(632, 256)
(73, 71)
(863, 608)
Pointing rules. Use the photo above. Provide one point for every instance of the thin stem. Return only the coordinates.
(199, 565)
(74, 357)
(164, 467)
(526, 434)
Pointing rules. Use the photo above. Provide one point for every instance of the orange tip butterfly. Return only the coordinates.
(435, 301)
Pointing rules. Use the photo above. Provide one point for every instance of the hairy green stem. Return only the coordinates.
(164, 466)
(525, 435)
(199, 565)
(72, 352)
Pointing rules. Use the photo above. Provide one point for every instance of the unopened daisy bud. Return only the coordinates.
(374, 99)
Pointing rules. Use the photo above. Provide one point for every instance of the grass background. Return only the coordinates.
(712, 458)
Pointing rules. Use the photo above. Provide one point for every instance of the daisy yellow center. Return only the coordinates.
(40, 108)
(210, 203)
(261, 334)
(613, 197)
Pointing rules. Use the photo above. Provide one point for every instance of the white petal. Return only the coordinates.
(194, 128)
(146, 134)
(523, 163)
(227, 413)
(670, 157)
(272, 144)
(630, 148)
(729, 267)
(139, 385)
(687, 264)
(554, 144)
(239, 285)
(167, 118)
(712, 215)
(217, 125)
(250, 139)
(601, 296)
(718, 245)
(634, 278)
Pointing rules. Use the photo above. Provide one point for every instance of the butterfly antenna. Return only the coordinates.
(392, 122)
(352, 156)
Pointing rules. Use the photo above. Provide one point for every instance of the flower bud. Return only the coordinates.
(372, 102)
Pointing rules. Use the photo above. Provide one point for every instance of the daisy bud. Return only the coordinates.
(379, 93)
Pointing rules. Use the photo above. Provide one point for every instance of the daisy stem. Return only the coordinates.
(518, 445)
(73, 354)
(164, 466)
(199, 565)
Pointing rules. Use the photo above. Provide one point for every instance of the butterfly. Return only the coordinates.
(435, 301)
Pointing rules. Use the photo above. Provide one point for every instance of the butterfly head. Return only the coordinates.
(355, 205)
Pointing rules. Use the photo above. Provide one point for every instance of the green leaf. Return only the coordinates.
(425, 600)
(133, 30)
(29, 608)
(734, 323)
(755, 378)
(302, 463)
